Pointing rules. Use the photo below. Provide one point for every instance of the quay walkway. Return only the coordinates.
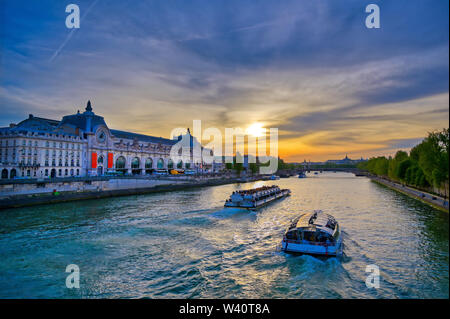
(436, 201)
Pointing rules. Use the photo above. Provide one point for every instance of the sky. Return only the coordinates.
(309, 68)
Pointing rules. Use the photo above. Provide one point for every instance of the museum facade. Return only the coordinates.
(82, 144)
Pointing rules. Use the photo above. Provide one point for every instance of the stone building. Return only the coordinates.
(82, 144)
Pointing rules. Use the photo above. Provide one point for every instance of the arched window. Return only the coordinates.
(180, 164)
(160, 164)
(148, 163)
(170, 164)
(120, 162)
(4, 173)
(100, 160)
(148, 166)
(135, 163)
(13, 173)
(188, 165)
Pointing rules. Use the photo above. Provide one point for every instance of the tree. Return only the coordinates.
(402, 167)
(433, 158)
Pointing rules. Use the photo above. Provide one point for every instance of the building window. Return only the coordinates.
(78, 172)
(66, 172)
(46, 172)
(135, 163)
(160, 164)
(148, 163)
(60, 172)
(120, 164)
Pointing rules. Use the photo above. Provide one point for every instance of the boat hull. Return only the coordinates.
(260, 203)
(312, 249)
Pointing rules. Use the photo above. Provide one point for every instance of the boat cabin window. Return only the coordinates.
(309, 236)
(323, 237)
(292, 235)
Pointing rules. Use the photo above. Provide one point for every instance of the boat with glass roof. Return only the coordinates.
(257, 197)
(313, 233)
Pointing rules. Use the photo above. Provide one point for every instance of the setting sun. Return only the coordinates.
(256, 129)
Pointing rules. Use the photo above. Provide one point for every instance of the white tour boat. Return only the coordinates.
(314, 233)
(254, 198)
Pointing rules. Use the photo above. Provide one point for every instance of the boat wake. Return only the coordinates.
(230, 212)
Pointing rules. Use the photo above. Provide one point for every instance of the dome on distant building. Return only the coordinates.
(86, 121)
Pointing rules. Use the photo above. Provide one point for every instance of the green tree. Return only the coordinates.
(402, 167)
(433, 158)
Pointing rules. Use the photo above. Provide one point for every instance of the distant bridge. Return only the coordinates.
(353, 170)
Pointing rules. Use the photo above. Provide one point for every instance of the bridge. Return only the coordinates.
(354, 170)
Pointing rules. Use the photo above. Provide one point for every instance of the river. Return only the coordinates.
(184, 244)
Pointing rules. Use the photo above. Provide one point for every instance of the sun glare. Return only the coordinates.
(256, 129)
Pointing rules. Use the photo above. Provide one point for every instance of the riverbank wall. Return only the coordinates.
(27, 193)
(427, 198)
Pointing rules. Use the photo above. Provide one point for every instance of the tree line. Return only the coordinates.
(425, 167)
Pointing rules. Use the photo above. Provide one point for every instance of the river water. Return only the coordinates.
(184, 244)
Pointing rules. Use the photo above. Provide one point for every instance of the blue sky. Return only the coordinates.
(310, 68)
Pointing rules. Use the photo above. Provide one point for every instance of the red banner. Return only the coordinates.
(110, 160)
(94, 160)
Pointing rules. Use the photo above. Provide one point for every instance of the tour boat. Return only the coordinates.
(314, 233)
(274, 177)
(301, 175)
(255, 198)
